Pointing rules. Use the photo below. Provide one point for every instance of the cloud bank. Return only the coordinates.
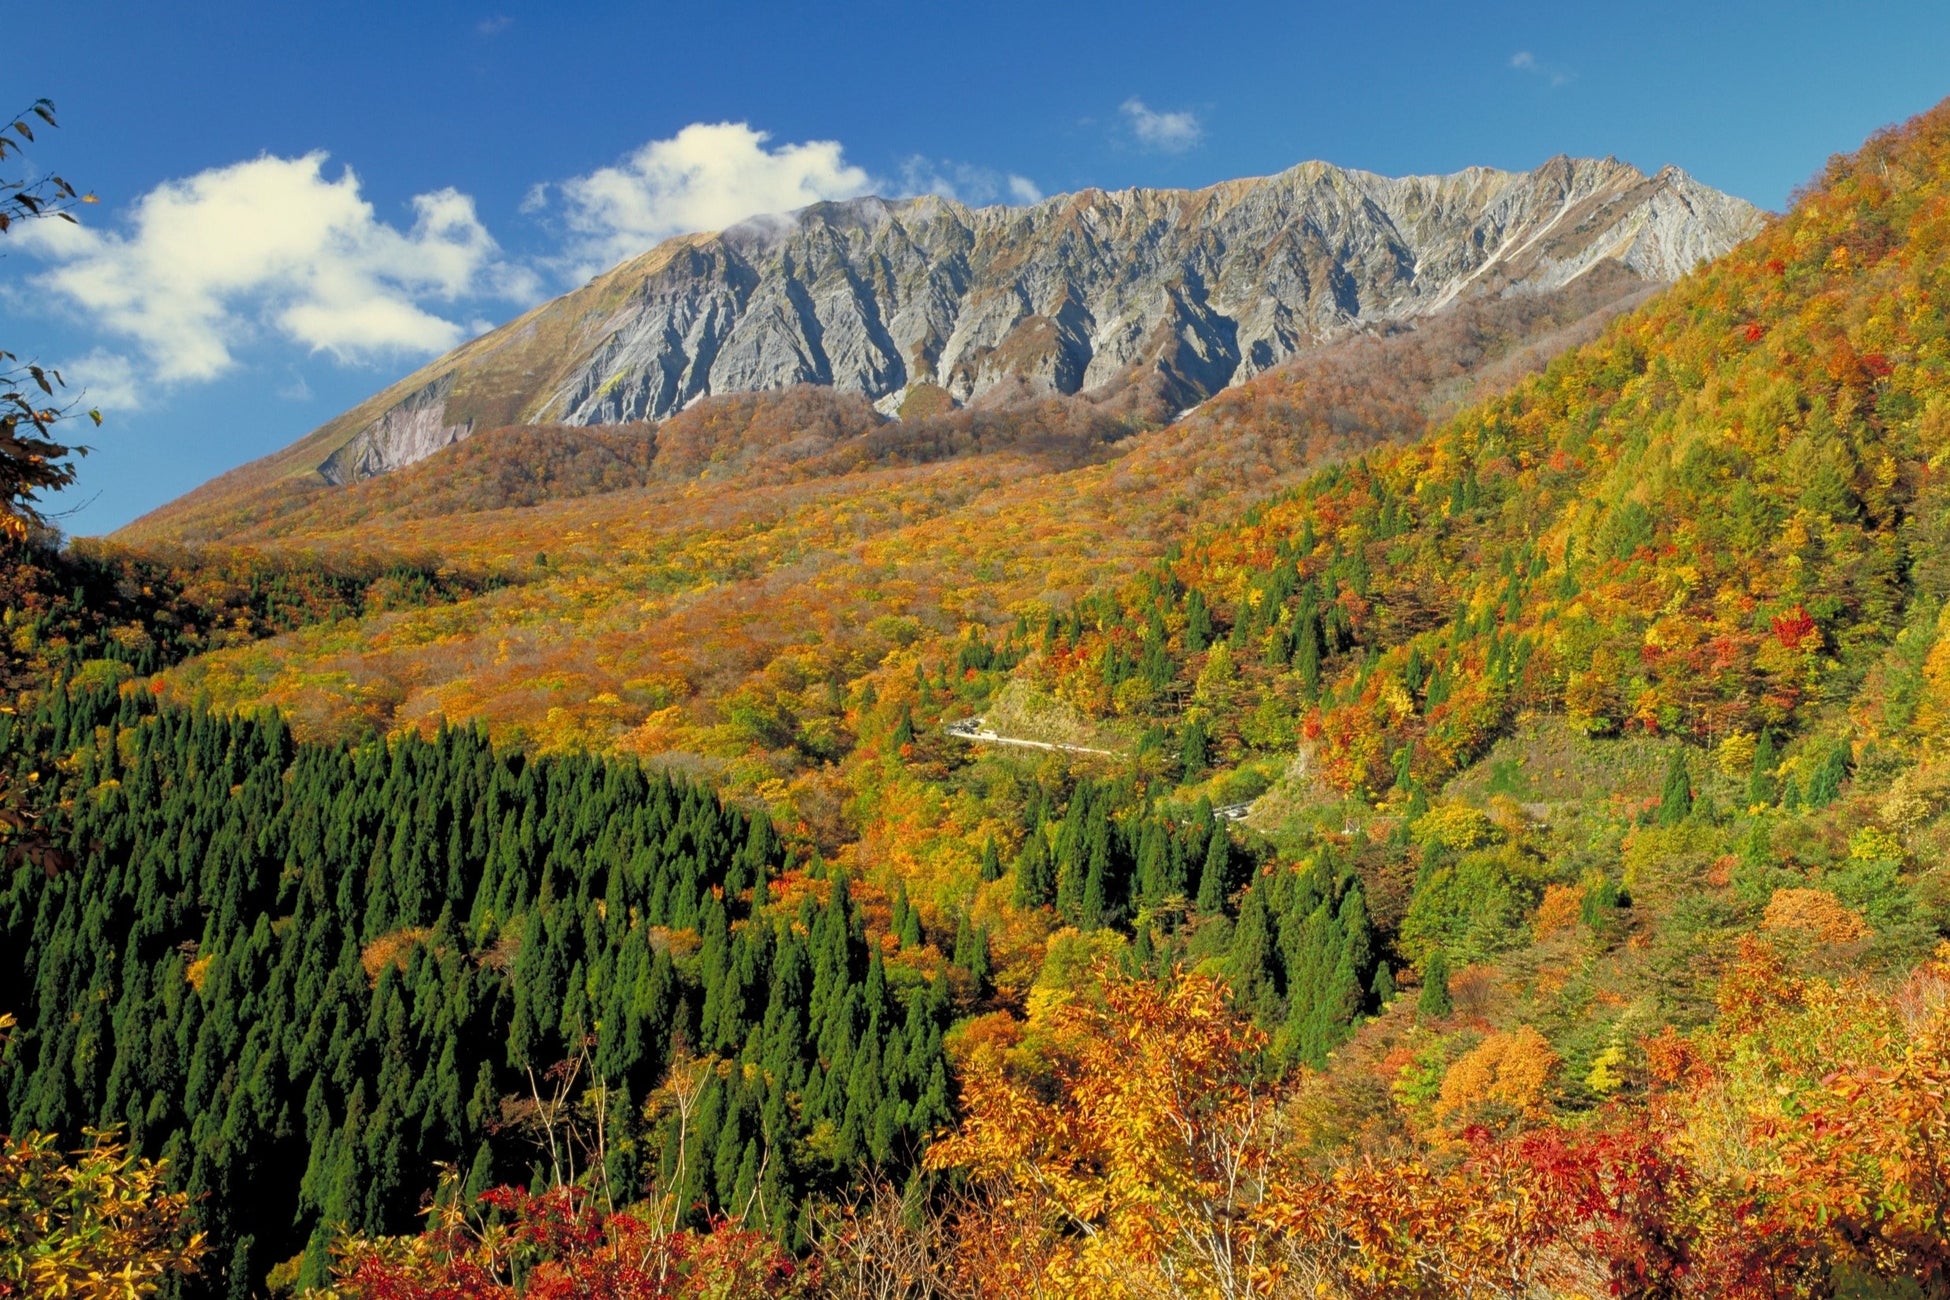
(706, 177)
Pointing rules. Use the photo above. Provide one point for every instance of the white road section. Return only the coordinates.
(976, 731)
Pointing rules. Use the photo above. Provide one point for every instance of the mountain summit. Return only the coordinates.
(1150, 298)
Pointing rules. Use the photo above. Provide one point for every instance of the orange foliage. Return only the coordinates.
(1809, 1128)
(1156, 1157)
(394, 949)
(1506, 1075)
(1559, 909)
(1816, 912)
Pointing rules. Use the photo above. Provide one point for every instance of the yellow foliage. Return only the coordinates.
(1505, 1074)
(1736, 753)
(1604, 1077)
(1912, 800)
(1933, 710)
(97, 1226)
(1873, 844)
(1453, 826)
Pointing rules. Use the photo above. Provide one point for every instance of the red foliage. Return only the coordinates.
(1793, 628)
(559, 1246)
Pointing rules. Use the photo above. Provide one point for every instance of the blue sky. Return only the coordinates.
(299, 203)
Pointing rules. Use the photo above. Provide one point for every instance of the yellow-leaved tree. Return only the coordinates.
(1152, 1169)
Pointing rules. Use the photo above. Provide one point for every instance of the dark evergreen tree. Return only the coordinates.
(1214, 884)
(1676, 795)
(1760, 784)
(1035, 874)
(1433, 1004)
(1193, 750)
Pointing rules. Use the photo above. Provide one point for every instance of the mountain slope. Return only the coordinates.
(1154, 299)
(1608, 713)
(1722, 523)
(773, 537)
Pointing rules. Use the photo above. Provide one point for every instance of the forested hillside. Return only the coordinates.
(1507, 861)
(306, 976)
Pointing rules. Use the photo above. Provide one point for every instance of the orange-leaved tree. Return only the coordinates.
(1821, 1115)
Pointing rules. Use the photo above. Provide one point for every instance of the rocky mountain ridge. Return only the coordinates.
(1159, 297)
(1207, 287)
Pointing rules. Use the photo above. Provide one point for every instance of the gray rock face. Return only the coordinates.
(410, 431)
(1200, 288)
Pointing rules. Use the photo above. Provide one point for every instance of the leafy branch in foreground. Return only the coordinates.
(95, 1225)
(32, 459)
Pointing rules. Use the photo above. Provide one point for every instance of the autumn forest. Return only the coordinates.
(1462, 813)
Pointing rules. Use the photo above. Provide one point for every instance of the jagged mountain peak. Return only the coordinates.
(1173, 294)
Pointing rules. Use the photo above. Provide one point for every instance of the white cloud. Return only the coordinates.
(493, 26)
(271, 247)
(105, 381)
(1165, 132)
(965, 182)
(706, 177)
(1525, 61)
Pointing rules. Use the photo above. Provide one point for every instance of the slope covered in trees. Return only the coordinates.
(786, 546)
(1709, 525)
(1585, 936)
(303, 976)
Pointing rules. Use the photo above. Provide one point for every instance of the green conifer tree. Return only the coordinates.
(1035, 883)
(1193, 750)
(1382, 988)
(1434, 1003)
(1676, 795)
(1213, 882)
